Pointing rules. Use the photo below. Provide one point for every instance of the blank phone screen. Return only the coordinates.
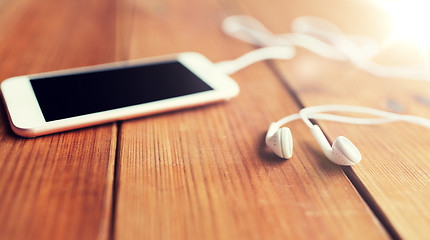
(73, 95)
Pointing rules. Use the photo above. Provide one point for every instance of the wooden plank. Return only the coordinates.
(57, 186)
(205, 173)
(393, 176)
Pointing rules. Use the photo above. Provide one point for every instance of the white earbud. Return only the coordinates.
(280, 141)
(342, 152)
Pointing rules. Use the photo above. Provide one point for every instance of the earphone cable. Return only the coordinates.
(318, 36)
(317, 113)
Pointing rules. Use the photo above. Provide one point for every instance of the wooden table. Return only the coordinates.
(205, 173)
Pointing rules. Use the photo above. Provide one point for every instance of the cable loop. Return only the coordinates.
(318, 36)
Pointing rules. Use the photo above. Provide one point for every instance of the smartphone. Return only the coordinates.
(57, 101)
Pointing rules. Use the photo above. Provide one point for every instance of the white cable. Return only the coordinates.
(364, 110)
(334, 118)
(265, 53)
(317, 113)
(323, 38)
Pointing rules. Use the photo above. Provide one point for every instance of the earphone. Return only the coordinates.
(324, 39)
(343, 151)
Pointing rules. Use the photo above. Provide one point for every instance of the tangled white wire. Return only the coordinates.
(314, 34)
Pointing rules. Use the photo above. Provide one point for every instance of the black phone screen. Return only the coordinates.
(90, 92)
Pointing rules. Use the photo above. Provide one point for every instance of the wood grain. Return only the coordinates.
(205, 173)
(58, 186)
(393, 176)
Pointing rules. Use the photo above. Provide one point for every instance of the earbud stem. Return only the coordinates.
(321, 139)
(272, 130)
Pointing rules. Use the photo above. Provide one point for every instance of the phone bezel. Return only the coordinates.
(27, 120)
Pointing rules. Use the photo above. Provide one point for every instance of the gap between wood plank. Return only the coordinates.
(370, 201)
(350, 174)
(116, 173)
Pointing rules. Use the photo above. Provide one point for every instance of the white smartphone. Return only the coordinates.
(57, 101)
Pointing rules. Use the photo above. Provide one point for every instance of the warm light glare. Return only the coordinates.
(411, 20)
